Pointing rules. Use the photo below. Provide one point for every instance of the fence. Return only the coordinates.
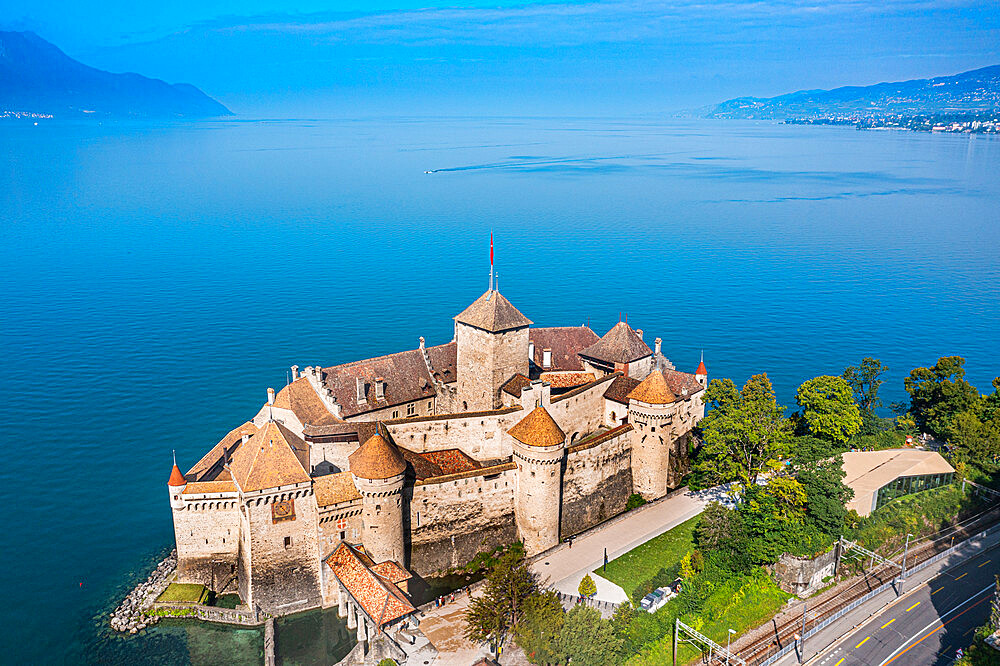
(606, 607)
(878, 590)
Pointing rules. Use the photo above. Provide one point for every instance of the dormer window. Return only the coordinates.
(379, 388)
(361, 390)
(546, 358)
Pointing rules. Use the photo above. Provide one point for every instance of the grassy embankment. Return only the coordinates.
(642, 563)
(184, 593)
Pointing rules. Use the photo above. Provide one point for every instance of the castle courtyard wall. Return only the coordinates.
(597, 481)
(453, 518)
(581, 411)
(478, 435)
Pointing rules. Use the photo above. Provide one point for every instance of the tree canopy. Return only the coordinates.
(509, 585)
(939, 393)
(744, 434)
(865, 380)
(828, 408)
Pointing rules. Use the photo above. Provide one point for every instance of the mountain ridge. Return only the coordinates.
(37, 77)
(970, 92)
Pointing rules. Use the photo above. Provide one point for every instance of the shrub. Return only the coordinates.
(634, 501)
(588, 587)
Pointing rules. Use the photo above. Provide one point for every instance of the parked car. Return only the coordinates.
(656, 599)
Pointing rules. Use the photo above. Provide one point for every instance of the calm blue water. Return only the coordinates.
(157, 279)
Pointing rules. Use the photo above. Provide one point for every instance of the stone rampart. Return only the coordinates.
(581, 411)
(479, 434)
(452, 518)
(207, 531)
(597, 481)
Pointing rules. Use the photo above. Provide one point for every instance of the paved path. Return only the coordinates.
(565, 567)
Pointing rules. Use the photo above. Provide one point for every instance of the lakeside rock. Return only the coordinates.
(130, 616)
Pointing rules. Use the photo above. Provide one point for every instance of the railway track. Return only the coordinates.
(769, 639)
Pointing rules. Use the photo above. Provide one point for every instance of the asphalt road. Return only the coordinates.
(927, 626)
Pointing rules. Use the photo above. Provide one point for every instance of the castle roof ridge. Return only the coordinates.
(377, 458)
(493, 313)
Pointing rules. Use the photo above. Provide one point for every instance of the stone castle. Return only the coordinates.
(354, 477)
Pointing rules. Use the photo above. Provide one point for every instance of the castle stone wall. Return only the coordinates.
(453, 520)
(480, 436)
(485, 361)
(579, 414)
(286, 576)
(596, 484)
(207, 532)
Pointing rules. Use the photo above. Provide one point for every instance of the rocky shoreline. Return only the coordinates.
(130, 616)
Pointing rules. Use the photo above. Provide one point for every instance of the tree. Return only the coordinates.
(538, 631)
(789, 498)
(588, 587)
(973, 440)
(500, 607)
(716, 525)
(939, 393)
(588, 640)
(744, 433)
(865, 380)
(828, 408)
(826, 495)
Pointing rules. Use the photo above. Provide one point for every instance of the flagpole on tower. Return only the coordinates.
(491, 261)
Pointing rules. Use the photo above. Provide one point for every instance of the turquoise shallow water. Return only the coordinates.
(158, 278)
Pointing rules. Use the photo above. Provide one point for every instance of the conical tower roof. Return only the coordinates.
(619, 345)
(653, 390)
(494, 313)
(271, 458)
(176, 478)
(377, 458)
(702, 370)
(538, 429)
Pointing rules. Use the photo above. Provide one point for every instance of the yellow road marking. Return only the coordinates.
(962, 576)
(984, 564)
(840, 662)
(861, 643)
(912, 607)
(936, 591)
(887, 623)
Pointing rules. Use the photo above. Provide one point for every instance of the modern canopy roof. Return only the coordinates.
(377, 458)
(494, 313)
(538, 429)
(619, 345)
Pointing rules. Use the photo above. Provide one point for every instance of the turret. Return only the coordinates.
(176, 485)
(379, 471)
(651, 413)
(539, 448)
(701, 374)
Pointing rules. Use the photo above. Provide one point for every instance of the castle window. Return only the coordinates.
(378, 508)
(343, 535)
(288, 541)
(411, 409)
(430, 405)
(418, 519)
(395, 413)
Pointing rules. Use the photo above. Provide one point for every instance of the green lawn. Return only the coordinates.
(739, 604)
(644, 561)
(184, 593)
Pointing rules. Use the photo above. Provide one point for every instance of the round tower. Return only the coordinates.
(539, 449)
(379, 471)
(176, 486)
(651, 413)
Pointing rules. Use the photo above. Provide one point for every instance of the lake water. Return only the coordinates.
(156, 279)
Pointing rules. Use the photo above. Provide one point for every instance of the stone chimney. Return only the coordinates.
(295, 372)
(361, 390)
(379, 388)
(245, 438)
(638, 332)
(270, 396)
(421, 342)
(658, 344)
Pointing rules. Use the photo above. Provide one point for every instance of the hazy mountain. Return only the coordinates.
(975, 91)
(35, 76)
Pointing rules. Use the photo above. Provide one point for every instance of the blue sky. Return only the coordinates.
(262, 57)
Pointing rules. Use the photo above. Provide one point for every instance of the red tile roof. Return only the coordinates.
(653, 390)
(515, 384)
(619, 345)
(494, 313)
(210, 467)
(176, 478)
(271, 458)
(404, 373)
(431, 464)
(300, 398)
(702, 370)
(334, 489)
(538, 429)
(567, 379)
(377, 595)
(392, 572)
(620, 387)
(565, 342)
(377, 458)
